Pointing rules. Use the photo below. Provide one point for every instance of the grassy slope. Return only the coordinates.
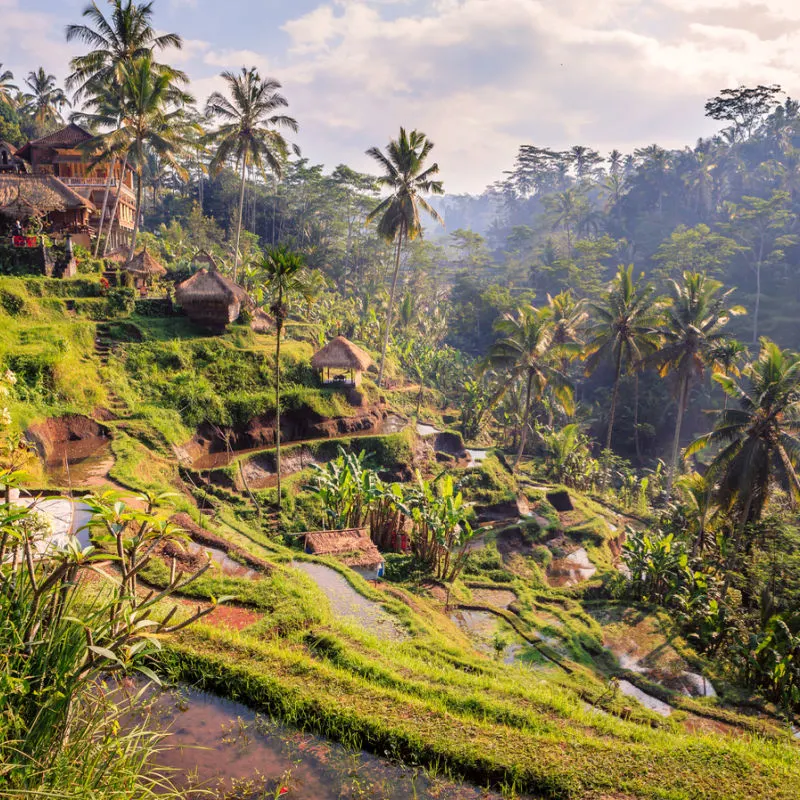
(432, 699)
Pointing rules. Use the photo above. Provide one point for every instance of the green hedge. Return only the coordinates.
(57, 287)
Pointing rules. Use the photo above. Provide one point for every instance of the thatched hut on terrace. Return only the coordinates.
(144, 267)
(345, 359)
(212, 300)
(353, 547)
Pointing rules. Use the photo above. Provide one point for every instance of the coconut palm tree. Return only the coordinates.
(151, 117)
(525, 351)
(726, 358)
(624, 331)
(693, 329)
(45, 100)
(7, 87)
(116, 41)
(247, 132)
(407, 177)
(282, 279)
(759, 441)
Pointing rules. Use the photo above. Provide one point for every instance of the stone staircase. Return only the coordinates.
(103, 344)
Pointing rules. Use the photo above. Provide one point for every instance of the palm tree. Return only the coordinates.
(7, 87)
(151, 117)
(760, 440)
(247, 133)
(726, 358)
(116, 41)
(282, 270)
(624, 331)
(526, 352)
(405, 174)
(45, 99)
(694, 327)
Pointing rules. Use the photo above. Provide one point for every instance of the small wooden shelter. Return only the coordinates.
(212, 300)
(144, 267)
(345, 359)
(353, 547)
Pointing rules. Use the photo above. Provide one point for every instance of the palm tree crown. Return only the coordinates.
(624, 331)
(150, 118)
(118, 40)
(398, 215)
(759, 441)
(7, 86)
(693, 329)
(526, 352)
(45, 99)
(247, 134)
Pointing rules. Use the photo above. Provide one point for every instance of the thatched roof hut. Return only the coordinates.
(211, 299)
(23, 196)
(118, 256)
(341, 355)
(144, 264)
(353, 547)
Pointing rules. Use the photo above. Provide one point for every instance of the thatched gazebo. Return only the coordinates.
(144, 267)
(212, 300)
(345, 358)
(352, 547)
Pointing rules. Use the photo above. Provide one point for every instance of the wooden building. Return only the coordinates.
(62, 155)
(352, 547)
(8, 159)
(341, 363)
(45, 200)
(212, 300)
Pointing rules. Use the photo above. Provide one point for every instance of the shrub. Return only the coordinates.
(12, 302)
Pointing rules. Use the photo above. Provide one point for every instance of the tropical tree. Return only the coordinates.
(149, 112)
(7, 87)
(282, 280)
(693, 328)
(407, 177)
(45, 100)
(758, 441)
(116, 42)
(726, 359)
(525, 352)
(624, 331)
(247, 133)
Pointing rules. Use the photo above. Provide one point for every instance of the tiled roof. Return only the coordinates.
(68, 136)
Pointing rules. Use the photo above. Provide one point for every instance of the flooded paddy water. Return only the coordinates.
(83, 462)
(218, 745)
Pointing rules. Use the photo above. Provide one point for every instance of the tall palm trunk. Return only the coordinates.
(636, 442)
(525, 419)
(614, 395)
(676, 442)
(400, 235)
(107, 192)
(758, 290)
(239, 224)
(136, 221)
(116, 207)
(279, 328)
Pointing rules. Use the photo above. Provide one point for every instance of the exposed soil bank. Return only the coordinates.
(52, 436)
(208, 449)
(76, 450)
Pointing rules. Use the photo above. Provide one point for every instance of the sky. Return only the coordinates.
(479, 77)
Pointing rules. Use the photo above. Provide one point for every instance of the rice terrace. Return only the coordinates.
(362, 436)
